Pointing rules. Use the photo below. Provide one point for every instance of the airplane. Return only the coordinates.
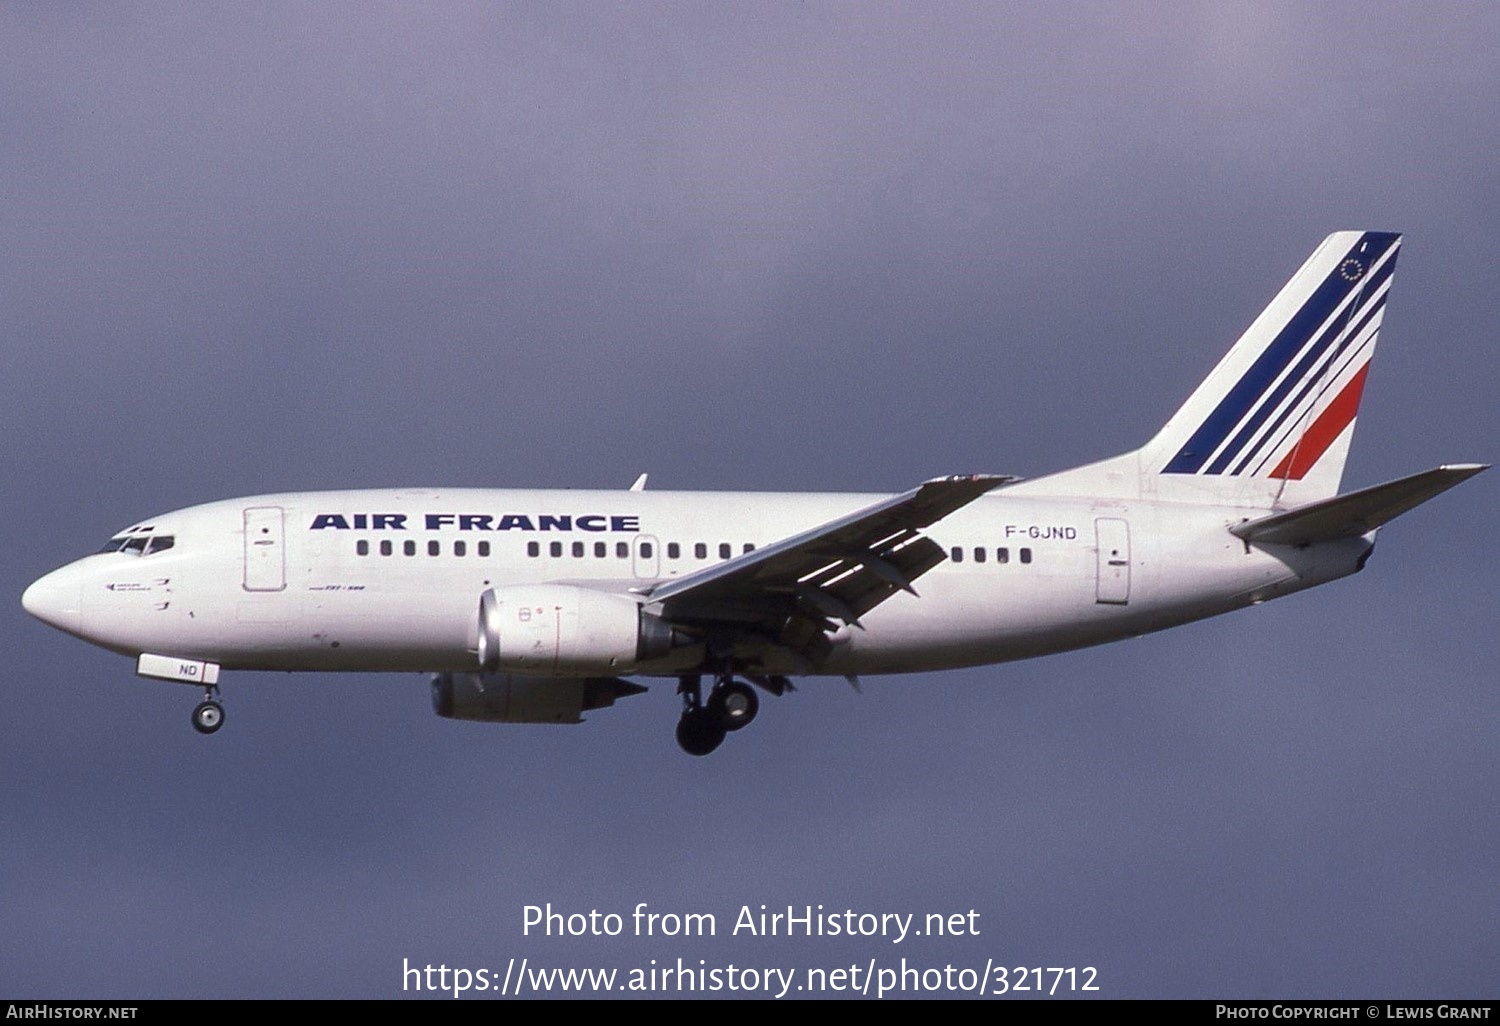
(532, 606)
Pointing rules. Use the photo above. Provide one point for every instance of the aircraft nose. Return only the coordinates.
(56, 600)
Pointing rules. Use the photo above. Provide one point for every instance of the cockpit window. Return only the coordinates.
(139, 544)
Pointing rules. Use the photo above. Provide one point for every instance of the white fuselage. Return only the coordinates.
(390, 580)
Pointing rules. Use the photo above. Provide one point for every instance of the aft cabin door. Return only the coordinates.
(265, 549)
(1113, 536)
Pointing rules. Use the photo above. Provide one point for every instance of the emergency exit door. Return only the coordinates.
(645, 559)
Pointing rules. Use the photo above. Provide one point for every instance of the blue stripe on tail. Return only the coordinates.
(1251, 389)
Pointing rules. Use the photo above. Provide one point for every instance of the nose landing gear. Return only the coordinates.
(208, 715)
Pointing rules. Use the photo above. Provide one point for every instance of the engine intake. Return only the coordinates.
(560, 630)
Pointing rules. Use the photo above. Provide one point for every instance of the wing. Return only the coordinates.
(791, 594)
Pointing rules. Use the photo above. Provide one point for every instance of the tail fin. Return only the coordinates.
(1274, 419)
(1271, 424)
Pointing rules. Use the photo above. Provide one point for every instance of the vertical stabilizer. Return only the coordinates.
(1270, 426)
(1274, 419)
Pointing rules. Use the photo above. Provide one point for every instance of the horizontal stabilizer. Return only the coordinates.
(1355, 514)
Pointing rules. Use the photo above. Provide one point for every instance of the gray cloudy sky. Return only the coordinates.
(264, 247)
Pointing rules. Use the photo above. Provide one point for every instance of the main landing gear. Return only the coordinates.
(208, 715)
(731, 705)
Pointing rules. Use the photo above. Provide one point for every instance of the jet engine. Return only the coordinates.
(510, 698)
(559, 630)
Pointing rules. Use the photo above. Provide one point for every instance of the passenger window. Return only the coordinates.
(459, 548)
(362, 547)
(385, 548)
(622, 550)
(646, 550)
(674, 551)
(1002, 555)
(724, 550)
(700, 551)
(1026, 555)
(600, 550)
(533, 548)
(956, 554)
(434, 548)
(483, 549)
(979, 555)
(555, 548)
(410, 548)
(578, 550)
(749, 547)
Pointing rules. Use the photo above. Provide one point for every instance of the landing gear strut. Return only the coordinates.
(208, 715)
(731, 705)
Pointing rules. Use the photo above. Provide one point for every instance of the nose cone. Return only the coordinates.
(56, 600)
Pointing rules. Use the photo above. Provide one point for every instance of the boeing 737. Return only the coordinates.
(537, 606)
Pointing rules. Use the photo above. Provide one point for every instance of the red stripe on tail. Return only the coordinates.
(1316, 440)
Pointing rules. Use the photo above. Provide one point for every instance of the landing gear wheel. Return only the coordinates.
(208, 716)
(733, 704)
(699, 732)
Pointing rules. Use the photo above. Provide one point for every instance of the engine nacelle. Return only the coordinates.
(559, 630)
(510, 698)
